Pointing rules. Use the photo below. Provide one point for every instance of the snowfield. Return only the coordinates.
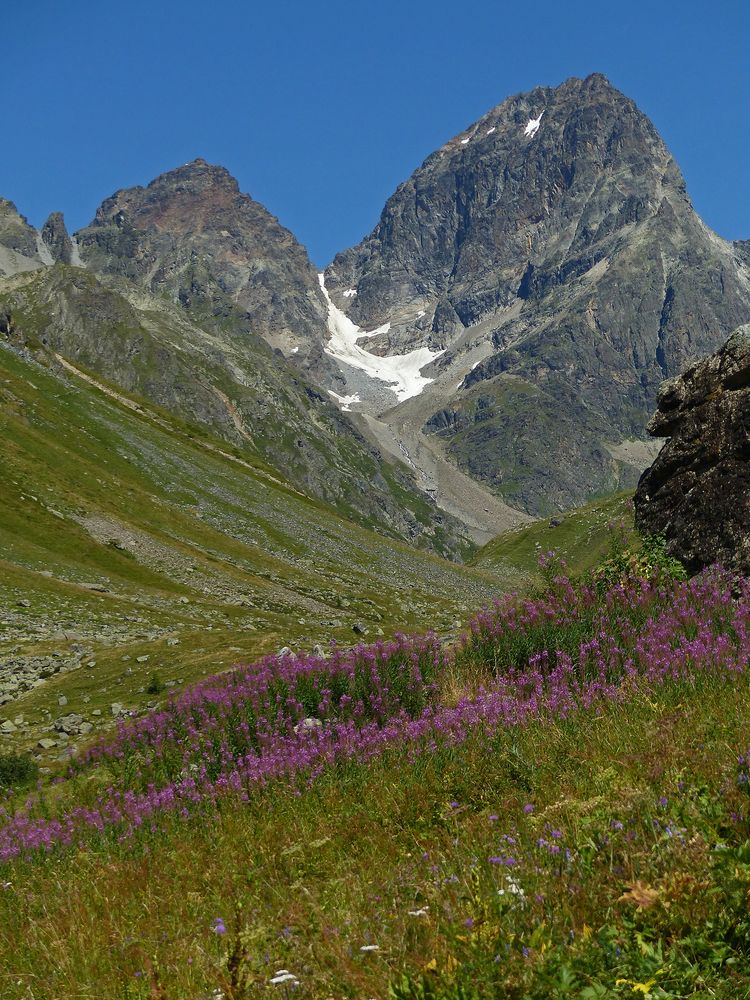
(401, 372)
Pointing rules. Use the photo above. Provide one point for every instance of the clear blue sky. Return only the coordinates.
(321, 108)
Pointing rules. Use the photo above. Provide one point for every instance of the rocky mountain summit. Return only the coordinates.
(193, 236)
(697, 492)
(56, 238)
(550, 260)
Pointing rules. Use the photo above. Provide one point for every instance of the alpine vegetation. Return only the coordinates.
(292, 717)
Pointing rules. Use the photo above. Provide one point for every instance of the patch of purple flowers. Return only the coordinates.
(568, 651)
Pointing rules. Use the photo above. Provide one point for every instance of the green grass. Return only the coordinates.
(394, 854)
(582, 537)
(305, 883)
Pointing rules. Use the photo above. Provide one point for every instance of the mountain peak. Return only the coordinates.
(193, 235)
(15, 232)
(197, 169)
(549, 243)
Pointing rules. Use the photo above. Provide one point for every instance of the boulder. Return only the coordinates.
(697, 492)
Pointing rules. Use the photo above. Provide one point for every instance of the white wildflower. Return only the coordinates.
(284, 976)
(370, 947)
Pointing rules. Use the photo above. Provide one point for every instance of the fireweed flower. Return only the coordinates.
(230, 734)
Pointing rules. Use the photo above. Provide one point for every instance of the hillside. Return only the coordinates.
(581, 537)
(198, 367)
(127, 534)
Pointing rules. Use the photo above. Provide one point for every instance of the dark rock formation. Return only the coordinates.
(697, 492)
(56, 238)
(556, 235)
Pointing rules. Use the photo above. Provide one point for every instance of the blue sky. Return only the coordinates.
(321, 109)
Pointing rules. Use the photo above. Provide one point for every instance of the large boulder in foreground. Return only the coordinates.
(697, 492)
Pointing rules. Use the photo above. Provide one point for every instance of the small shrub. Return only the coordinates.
(17, 770)
(630, 557)
(155, 684)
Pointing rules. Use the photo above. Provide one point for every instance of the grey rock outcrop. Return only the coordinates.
(56, 238)
(19, 242)
(15, 232)
(697, 492)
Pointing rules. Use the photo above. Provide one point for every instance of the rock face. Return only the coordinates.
(15, 232)
(552, 253)
(193, 236)
(19, 242)
(697, 492)
(56, 238)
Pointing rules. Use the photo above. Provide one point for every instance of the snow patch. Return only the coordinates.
(421, 313)
(464, 141)
(401, 372)
(345, 402)
(294, 350)
(350, 293)
(532, 126)
(491, 130)
(475, 365)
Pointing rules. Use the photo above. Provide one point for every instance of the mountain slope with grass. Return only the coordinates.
(132, 543)
(239, 389)
(580, 538)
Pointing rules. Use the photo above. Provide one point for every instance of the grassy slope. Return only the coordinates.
(204, 371)
(581, 537)
(304, 882)
(189, 543)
